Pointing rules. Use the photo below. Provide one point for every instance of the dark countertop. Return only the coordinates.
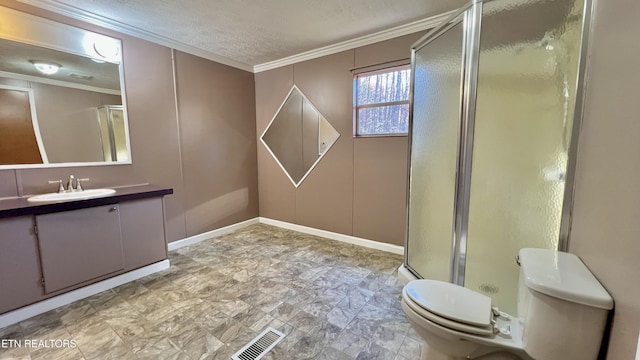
(19, 206)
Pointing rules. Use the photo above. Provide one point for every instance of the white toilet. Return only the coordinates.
(562, 314)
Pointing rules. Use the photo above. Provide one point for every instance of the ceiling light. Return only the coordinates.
(101, 48)
(45, 67)
(106, 49)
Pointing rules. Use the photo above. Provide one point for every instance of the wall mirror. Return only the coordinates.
(61, 95)
(298, 136)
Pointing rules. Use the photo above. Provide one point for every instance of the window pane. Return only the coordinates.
(386, 87)
(392, 119)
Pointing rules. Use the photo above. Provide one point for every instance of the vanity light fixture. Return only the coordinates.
(45, 67)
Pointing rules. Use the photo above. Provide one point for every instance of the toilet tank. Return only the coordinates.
(562, 306)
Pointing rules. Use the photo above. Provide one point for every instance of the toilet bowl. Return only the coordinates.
(457, 323)
(556, 295)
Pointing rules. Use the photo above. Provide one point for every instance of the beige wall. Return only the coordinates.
(605, 230)
(359, 186)
(216, 111)
(379, 188)
(277, 195)
(324, 199)
(156, 143)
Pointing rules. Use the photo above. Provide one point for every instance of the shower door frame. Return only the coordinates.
(471, 16)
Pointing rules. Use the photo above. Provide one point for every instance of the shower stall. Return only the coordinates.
(496, 107)
(113, 133)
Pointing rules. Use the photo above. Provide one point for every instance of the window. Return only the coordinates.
(381, 102)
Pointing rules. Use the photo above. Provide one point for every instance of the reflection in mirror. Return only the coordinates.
(19, 141)
(113, 133)
(298, 136)
(61, 100)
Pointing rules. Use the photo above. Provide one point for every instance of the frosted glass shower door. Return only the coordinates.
(528, 71)
(434, 143)
(113, 133)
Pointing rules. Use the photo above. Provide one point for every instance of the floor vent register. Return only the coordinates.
(260, 346)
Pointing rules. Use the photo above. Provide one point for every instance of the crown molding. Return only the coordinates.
(383, 35)
(95, 19)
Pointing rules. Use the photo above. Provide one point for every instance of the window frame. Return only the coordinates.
(356, 107)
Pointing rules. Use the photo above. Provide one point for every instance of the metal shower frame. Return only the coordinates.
(471, 16)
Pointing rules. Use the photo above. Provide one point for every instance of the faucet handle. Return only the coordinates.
(59, 182)
(78, 185)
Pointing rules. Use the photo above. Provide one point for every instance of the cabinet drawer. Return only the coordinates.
(80, 245)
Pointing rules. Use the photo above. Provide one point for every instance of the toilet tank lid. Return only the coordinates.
(564, 276)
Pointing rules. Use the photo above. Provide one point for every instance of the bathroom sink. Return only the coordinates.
(77, 195)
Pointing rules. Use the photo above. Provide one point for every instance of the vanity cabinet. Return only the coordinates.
(79, 245)
(19, 265)
(51, 248)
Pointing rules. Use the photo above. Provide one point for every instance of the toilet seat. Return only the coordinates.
(451, 306)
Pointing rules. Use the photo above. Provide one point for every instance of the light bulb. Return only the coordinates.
(47, 68)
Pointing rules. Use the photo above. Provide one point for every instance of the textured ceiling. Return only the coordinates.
(259, 31)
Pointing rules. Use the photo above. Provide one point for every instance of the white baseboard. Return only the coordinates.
(211, 234)
(395, 249)
(41, 307)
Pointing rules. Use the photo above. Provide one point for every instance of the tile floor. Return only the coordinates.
(333, 300)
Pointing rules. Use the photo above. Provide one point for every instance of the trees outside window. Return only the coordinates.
(381, 101)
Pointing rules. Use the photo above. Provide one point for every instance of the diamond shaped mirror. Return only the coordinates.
(298, 136)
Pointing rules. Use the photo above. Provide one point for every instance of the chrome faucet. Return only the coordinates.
(70, 187)
(70, 184)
